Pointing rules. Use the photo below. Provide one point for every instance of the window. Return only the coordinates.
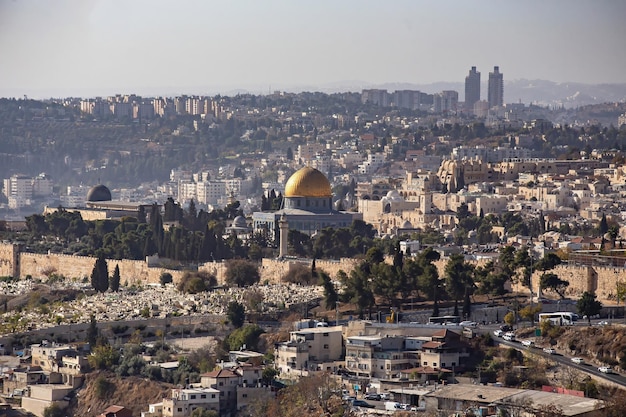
(193, 396)
(324, 334)
(245, 395)
(221, 383)
(180, 410)
(203, 396)
(325, 346)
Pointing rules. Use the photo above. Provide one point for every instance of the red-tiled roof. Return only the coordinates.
(221, 373)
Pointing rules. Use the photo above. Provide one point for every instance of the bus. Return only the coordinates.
(559, 318)
(444, 320)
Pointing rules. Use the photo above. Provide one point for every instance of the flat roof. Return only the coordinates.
(570, 404)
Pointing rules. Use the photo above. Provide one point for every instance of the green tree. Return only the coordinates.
(604, 225)
(459, 280)
(236, 313)
(201, 412)
(553, 282)
(247, 335)
(114, 281)
(269, 374)
(530, 312)
(92, 332)
(330, 293)
(587, 305)
(241, 273)
(100, 275)
(166, 278)
(104, 357)
(509, 318)
(53, 410)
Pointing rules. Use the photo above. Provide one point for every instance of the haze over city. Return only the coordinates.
(89, 48)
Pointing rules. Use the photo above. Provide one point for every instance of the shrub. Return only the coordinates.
(195, 282)
(103, 388)
(166, 278)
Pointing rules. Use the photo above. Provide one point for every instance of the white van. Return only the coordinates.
(393, 406)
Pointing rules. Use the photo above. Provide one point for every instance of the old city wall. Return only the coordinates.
(131, 272)
(602, 280)
(21, 264)
(8, 260)
(273, 270)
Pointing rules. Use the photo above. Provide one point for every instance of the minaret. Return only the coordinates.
(283, 227)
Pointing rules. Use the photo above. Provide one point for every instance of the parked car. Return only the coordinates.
(578, 360)
(509, 336)
(498, 333)
(361, 403)
(528, 343)
(605, 369)
(385, 396)
(549, 351)
(372, 396)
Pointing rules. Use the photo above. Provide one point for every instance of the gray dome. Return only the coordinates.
(99, 193)
(240, 222)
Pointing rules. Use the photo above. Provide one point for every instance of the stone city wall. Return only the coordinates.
(8, 260)
(70, 266)
(602, 280)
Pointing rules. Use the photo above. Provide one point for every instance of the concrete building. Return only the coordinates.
(472, 89)
(308, 349)
(184, 400)
(382, 357)
(495, 91)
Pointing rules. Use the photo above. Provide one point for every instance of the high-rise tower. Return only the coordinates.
(495, 92)
(472, 89)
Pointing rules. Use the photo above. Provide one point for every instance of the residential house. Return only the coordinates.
(184, 400)
(225, 382)
(116, 411)
(310, 349)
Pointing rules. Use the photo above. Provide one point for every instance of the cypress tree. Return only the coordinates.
(100, 275)
(114, 282)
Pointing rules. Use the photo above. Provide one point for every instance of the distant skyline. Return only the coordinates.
(88, 48)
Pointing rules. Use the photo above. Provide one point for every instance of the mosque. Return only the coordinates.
(307, 206)
(99, 205)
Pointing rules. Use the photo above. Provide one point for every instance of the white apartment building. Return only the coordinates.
(308, 348)
(210, 192)
(372, 163)
(21, 189)
(184, 401)
(308, 151)
(378, 356)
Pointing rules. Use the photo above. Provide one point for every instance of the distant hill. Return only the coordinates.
(540, 92)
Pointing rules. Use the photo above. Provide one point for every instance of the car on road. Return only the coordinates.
(385, 396)
(509, 336)
(498, 333)
(605, 369)
(528, 343)
(603, 323)
(372, 396)
(549, 351)
(361, 403)
(468, 323)
(578, 360)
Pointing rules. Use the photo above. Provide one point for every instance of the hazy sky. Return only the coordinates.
(100, 47)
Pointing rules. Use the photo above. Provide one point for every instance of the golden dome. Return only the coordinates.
(308, 182)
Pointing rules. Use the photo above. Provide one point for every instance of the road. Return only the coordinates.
(566, 361)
